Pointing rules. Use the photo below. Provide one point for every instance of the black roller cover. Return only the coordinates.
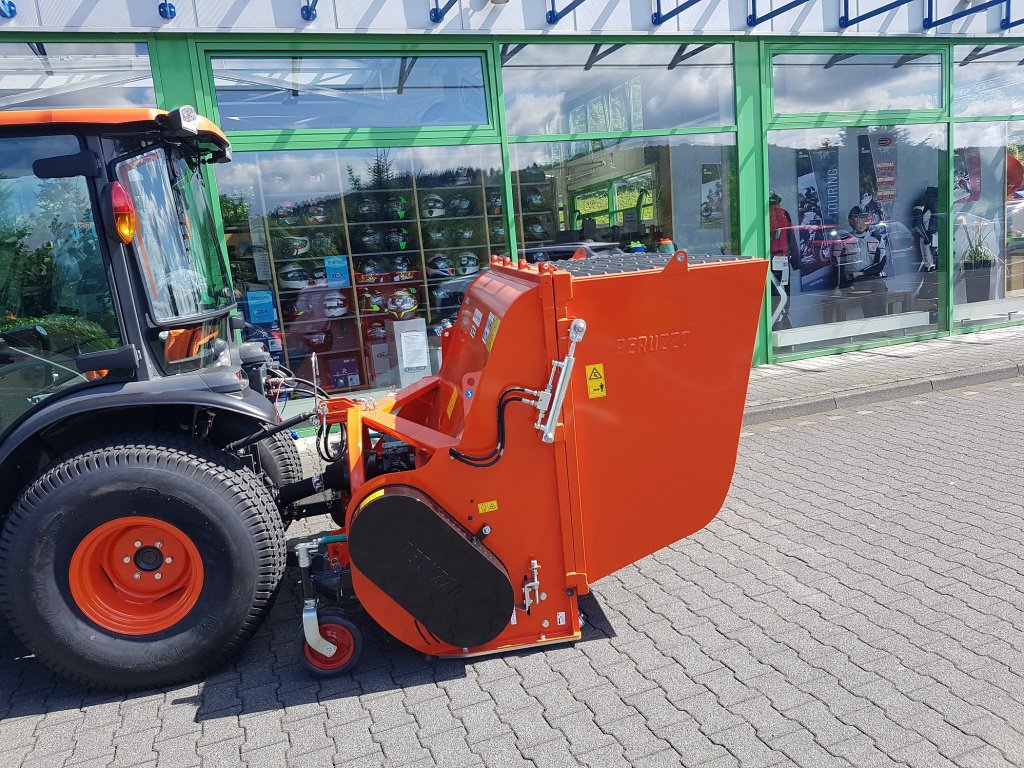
(429, 564)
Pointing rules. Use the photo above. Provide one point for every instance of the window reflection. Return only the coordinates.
(332, 251)
(988, 80)
(380, 92)
(653, 194)
(854, 229)
(615, 87)
(988, 228)
(816, 83)
(47, 75)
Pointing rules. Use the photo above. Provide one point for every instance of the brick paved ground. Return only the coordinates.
(858, 602)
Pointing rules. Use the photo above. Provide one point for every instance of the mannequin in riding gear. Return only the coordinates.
(925, 226)
(861, 255)
(784, 249)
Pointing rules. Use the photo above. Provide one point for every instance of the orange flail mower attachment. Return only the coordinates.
(560, 389)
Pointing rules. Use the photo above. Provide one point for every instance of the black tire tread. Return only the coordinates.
(246, 493)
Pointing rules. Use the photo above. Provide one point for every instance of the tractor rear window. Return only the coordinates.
(55, 296)
(175, 242)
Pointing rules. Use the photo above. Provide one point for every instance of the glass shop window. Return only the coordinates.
(988, 80)
(359, 255)
(602, 88)
(814, 83)
(988, 223)
(301, 92)
(650, 194)
(854, 234)
(48, 75)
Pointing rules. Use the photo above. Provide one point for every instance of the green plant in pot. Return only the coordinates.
(978, 259)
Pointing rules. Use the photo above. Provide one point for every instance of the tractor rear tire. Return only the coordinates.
(279, 459)
(140, 562)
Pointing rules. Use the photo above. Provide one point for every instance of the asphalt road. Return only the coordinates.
(858, 602)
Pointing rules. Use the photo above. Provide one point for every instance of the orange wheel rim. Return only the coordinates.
(341, 638)
(136, 575)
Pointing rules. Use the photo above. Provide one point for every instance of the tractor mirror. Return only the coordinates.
(84, 163)
(109, 359)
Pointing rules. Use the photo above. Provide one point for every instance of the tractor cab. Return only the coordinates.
(111, 269)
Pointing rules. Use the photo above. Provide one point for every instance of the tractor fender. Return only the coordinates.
(202, 391)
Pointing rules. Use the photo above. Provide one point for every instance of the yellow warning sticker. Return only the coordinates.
(451, 403)
(491, 331)
(595, 381)
(487, 506)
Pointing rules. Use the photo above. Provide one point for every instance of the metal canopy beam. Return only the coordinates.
(979, 52)
(845, 20)
(8, 9)
(508, 51)
(682, 54)
(930, 20)
(596, 54)
(906, 59)
(838, 58)
(660, 18)
(554, 15)
(753, 19)
(308, 11)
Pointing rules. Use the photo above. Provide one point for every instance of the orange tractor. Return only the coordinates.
(146, 480)
(513, 499)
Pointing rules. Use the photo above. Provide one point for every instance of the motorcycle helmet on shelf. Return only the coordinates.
(375, 331)
(321, 244)
(459, 205)
(494, 204)
(440, 325)
(396, 239)
(463, 176)
(319, 275)
(467, 263)
(447, 295)
(335, 304)
(535, 230)
(402, 304)
(464, 234)
(435, 237)
(370, 239)
(432, 207)
(371, 271)
(396, 207)
(403, 269)
(293, 246)
(292, 277)
(372, 300)
(319, 340)
(534, 201)
(439, 265)
(368, 208)
(498, 233)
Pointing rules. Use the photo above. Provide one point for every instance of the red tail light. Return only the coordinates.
(125, 218)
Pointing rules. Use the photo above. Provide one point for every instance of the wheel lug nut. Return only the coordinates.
(138, 544)
(169, 560)
(159, 545)
(137, 576)
(157, 576)
(127, 560)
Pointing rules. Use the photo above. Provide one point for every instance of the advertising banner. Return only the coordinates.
(877, 166)
(966, 175)
(817, 178)
(711, 196)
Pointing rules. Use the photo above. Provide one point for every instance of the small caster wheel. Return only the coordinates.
(340, 632)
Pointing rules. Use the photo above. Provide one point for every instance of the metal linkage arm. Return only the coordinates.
(753, 19)
(846, 21)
